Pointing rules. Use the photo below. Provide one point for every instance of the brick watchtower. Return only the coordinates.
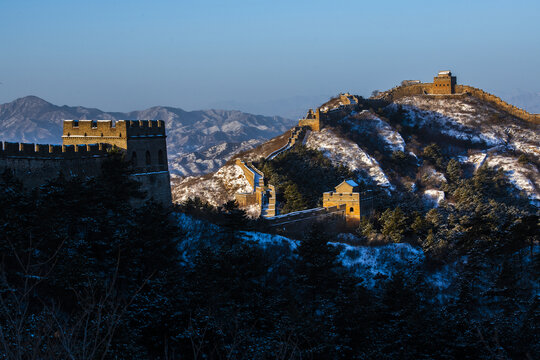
(356, 204)
(144, 140)
(444, 83)
(144, 143)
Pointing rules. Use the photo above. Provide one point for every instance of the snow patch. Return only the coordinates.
(382, 262)
(434, 197)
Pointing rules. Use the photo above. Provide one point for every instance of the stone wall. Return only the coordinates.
(107, 131)
(297, 134)
(351, 202)
(85, 144)
(499, 103)
(248, 173)
(298, 223)
(156, 185)
(263, 196)
(460, 90)
(35, 164)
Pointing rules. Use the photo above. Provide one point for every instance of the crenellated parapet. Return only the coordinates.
(116, 133)
(86, 144)
(43, 151)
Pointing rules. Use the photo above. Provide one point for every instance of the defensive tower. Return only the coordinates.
(312, 120)
(444, 83)
(356, 204)
(144, 141)
(86, 143)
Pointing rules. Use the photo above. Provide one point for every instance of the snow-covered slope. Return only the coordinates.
(525, 177)
(384, 147)
(345, 152)
(370, 124)
(473, 120)
(500, 137)
(216, 188)
(373, 265)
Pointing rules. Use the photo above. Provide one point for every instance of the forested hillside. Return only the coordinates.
(85, 275)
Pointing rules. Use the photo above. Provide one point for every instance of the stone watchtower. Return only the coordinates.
(355, 204)
(312, 120)
(444, 83)
(144, 143)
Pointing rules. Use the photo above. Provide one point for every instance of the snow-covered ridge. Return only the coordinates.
(209, 159)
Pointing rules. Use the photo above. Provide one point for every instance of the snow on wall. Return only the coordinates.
(345, 152)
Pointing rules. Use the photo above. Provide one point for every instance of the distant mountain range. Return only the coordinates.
(190, 134)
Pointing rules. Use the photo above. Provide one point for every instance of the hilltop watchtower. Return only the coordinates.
(312, 120)
(444, 83)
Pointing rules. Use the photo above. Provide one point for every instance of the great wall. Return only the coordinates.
(346, 201)
(444, 85)
(86, 144)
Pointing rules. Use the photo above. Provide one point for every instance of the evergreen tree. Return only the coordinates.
(394, 224)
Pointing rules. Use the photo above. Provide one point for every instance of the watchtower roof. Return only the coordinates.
(347, 186)
(445, 73)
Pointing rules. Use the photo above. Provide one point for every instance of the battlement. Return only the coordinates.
(116, 133)
(312, 120)
(25, 150)
(86, 144)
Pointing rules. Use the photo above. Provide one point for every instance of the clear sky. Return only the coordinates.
(126, 55)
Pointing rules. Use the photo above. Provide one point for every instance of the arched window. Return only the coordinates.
(351, 210)
(134, 158)
(161, 158)
(148, 158)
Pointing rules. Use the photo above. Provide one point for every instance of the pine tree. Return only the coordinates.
(394, 224)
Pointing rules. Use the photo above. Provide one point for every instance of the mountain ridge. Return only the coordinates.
(387, 146)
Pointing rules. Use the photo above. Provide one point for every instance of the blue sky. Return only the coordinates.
(127, 55)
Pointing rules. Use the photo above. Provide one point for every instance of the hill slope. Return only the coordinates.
(386, 147)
